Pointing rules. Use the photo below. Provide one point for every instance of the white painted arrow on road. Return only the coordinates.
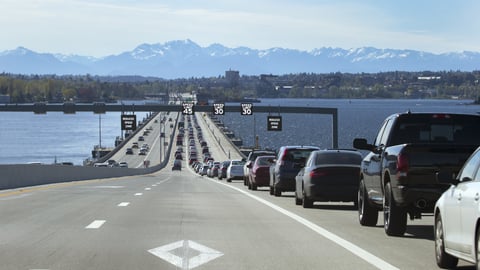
(186, 262)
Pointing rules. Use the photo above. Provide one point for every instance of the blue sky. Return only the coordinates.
(105, 27)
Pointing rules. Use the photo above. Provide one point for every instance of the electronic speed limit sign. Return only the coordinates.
(247, 108)
(218, 109)
(187, 108)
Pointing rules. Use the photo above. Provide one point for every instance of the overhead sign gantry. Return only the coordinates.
(185, 108)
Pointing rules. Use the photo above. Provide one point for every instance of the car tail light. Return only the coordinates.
(441, 116)
(318, 173)
(402, 164)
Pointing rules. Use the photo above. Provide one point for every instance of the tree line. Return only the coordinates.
(398, 84)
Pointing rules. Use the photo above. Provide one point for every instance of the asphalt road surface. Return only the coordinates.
(180, 220)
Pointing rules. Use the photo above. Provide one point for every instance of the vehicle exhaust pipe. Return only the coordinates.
(421, 204)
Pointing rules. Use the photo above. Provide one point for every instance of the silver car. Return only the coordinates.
(235, 170)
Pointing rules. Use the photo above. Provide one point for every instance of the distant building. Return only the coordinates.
(232, 77)
(4, 99)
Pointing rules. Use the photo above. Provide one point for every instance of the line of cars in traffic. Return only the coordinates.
(315, 174)
(332, 175)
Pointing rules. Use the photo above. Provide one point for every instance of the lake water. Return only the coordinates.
(26, 137)
(356, 118)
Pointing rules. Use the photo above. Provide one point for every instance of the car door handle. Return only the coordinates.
(459, 197)
(477, 197)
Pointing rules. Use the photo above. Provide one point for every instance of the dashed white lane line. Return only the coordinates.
(148, 188)
(123, 204)
(96, 224)
(138, 194)
(361, 253)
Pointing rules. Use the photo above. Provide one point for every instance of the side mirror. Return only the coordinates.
(362, 144)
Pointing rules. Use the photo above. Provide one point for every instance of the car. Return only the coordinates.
(235, 170)
(123, 164)
(112, 163)
(288, 162)
(328, 175)
(177, 165)
(457, 216)
(203, 170)
(104, 164)
(214, 169)
(222, 172)
(259, 172)
(141, 138)
(251, 158)
(142, 152)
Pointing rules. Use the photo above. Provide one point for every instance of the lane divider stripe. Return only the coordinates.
(96, 224)
(361, 253)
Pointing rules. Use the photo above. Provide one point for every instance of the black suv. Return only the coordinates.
(287, 164)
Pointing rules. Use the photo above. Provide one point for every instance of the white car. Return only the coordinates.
(457, 216)
(235, 170)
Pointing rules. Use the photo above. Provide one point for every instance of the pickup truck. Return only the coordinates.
(398, 174)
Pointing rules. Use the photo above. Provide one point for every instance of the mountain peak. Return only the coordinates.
(185, 58)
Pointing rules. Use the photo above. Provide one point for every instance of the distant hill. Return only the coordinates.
(186, 59)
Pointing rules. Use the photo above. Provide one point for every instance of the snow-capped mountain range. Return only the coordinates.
(186, 59)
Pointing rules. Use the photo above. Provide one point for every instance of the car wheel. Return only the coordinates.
(277, 192)
(444, 260)
(306, 202)
(395, 217)
(254, 186)
(272, 190)
(367, 215)
(298, 201)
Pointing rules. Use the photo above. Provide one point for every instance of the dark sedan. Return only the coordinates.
(328, 175)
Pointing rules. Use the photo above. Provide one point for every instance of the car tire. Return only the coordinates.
(306, 202)
(277, 192)
(444, 260)
(254, 186)
(367, 214)
(272, 190)
(298, 201)
(395, 217)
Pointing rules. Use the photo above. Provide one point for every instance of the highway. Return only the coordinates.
(163, 122)
(180, 220)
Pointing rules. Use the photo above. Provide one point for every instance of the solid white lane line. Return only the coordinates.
(123, 204)
(96, 224)
(358, 251)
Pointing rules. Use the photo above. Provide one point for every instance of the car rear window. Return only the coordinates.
(438, 128)
(338, 158)
(297, 155)
(235, 162)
